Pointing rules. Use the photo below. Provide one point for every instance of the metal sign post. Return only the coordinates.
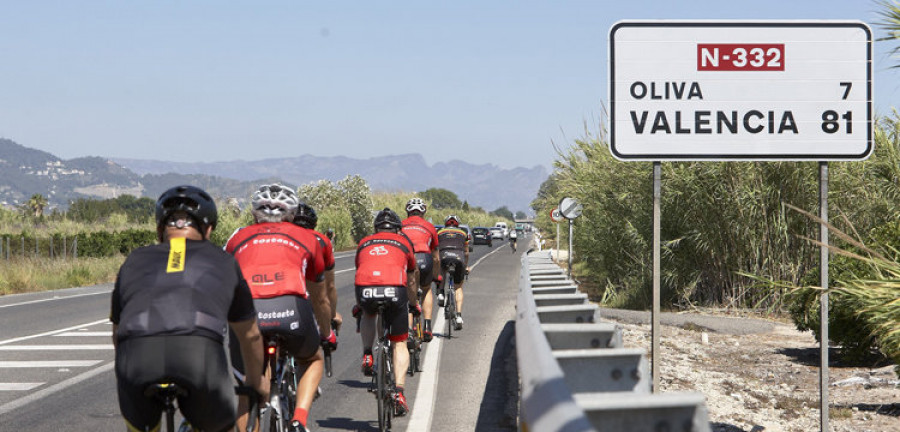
(823, 301)
(570, 209)
(654, 329)
(556, 217)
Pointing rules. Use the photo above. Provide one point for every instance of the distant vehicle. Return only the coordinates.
(468, 236)
(497, 233)
(482, 235)
(504, 227)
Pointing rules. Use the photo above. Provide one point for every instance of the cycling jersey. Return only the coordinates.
(182, 287)
(382, 259)
(277, 258)
(327, 249)
(453, 238)
(421, 232)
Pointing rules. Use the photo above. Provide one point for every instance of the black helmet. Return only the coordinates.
(306, 216)
(387, 219)
(191, 200)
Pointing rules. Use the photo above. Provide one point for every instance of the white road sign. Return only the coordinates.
(740, 90)
(569, 208)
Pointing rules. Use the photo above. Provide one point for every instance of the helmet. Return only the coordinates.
(191, 200)
(306, 216)
(387, 220)
(273, 201)
(452, 220)
(416, 204)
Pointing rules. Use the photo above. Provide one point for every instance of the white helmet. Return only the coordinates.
(274, 203)
(416, 204)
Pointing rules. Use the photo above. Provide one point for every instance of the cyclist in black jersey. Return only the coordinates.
(171, 307)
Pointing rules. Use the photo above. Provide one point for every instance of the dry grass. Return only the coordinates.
(41, 274)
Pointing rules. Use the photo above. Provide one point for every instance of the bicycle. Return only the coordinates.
(416, 338)
(450, 299)
(276, 415)
(383, 380)
(167, 392)
(512, 245)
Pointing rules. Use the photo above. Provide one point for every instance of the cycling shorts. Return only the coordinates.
(290, 317)
(396, 314)
(195, 363)
(425, 262)
(453, 257)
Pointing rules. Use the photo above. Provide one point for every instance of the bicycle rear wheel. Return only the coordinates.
(288, 389)
(450, 308)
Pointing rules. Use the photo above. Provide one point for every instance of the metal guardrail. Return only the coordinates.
(576, 375)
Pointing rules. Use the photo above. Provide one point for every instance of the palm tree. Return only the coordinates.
(890, 23)
(36, 203)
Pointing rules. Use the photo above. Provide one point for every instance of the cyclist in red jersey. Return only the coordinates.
(386, 270)
(284, 266)
(425, 242)
(306, 217)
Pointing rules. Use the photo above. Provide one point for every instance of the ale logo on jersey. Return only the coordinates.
(378, 251)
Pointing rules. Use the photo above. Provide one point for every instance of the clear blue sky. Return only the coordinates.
(479, 81)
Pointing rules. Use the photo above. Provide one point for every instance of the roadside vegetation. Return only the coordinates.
(87, 244)
(741, 235)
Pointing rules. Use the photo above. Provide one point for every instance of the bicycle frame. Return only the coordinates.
(167, 392)
(283, 388)
(383, 379)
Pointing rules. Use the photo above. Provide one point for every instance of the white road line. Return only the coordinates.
(18, 339)
(55, 347)
(19, 386)
(54, 298)
(426, 394)
(344, 271)
(54, 389)
(48, 363)
(85, 334)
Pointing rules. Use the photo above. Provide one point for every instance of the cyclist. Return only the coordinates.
(285, 268)
(454, 250)
(306, 217)
(512, 239)
(386, 270)
(425, 242)
(170, 308)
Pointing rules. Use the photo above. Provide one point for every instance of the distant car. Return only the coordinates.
(497, 233)
(482, 235)
(468, 236)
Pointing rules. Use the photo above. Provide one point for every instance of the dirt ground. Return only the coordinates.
(770, 382)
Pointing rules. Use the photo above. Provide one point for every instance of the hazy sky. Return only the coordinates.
(481, 81)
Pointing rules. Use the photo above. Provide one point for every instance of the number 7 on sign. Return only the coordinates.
(846, 86)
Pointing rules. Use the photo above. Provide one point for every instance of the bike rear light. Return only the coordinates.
(271, 350)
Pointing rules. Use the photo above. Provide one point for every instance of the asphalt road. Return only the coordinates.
(56, 360)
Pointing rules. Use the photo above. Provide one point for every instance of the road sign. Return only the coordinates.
(740, 90)
(555, 215)
(569, 208)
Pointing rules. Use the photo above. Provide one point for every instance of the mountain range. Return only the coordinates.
(25, 171)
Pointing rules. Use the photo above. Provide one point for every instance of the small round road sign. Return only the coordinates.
(555, 215)
(569, 208)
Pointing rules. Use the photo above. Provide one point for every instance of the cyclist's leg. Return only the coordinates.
(303, 344)
(426, 276)
(138, 364)
(366, 326)
(458, 280)
(200, 361)
(395, 316)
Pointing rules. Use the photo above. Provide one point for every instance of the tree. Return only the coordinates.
(36, 204)
(465, 206)
(504, 213)
(441, 198)
(521, 215)
(890, 23)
